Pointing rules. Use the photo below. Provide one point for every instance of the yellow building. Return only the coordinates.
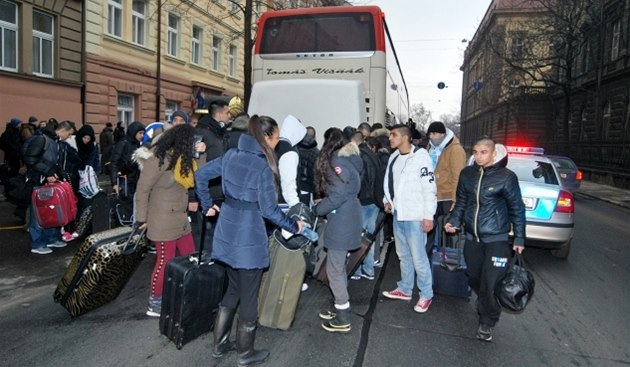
(144, 58)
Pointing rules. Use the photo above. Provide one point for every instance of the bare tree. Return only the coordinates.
(544, 50)
(421, 116)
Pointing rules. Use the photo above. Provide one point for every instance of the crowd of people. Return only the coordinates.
(236, 170)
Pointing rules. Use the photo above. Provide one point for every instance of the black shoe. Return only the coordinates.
(484, 333)
(340, 323)
(245, 336)
(327, 314)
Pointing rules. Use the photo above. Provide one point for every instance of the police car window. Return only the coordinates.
(531, 170)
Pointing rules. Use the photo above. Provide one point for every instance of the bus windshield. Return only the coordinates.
(318, 33)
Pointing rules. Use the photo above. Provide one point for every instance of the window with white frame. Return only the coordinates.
(138, 20)
(232, 60)
(169, 108)
(216, 53)
(114, 17)
(195, 45)
(173, 30)
(125, 108)
(43, 44)
(8, 35)
(616, 35)
(234, 5)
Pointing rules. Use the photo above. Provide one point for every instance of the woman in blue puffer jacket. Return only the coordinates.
(250, 185)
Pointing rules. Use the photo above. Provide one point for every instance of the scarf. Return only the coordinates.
(188, 181)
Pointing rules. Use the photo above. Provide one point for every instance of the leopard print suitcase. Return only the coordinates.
(100, 269)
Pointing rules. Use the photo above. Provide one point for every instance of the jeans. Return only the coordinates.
(410, 247)
(40, 237)
(369, 213)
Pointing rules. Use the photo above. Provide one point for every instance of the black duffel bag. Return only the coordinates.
(516, 288)
(299, 212)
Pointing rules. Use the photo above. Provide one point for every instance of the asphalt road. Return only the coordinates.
(578, 317)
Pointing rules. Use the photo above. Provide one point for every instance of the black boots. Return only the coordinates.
(222, 328)
(247, 355)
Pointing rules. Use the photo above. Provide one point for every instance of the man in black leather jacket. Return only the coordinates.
(488, 204)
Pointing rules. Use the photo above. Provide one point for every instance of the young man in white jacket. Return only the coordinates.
(410, 194)
(291, 133)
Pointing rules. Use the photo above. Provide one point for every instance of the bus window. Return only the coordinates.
(318, 33)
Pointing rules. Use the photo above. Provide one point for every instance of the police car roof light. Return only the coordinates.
(525, 150)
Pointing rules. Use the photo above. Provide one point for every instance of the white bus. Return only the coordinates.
(349, 43)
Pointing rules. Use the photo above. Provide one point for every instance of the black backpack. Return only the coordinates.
(306, 171)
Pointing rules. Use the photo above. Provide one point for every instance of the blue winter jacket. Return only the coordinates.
(240, 238)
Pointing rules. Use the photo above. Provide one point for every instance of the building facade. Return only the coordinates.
(580, 107)
(41, 69)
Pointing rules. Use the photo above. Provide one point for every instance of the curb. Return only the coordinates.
(610, 201)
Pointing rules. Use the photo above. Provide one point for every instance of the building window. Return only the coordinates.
(232, 61)
(517, 47)
(138, 19)
(114, 20)
(125, 108)
(43, 44)
(616, 35)
(173, 29)
(169, 108)
(195, 45)
(216, 53)
(586, 50)
(8, 36)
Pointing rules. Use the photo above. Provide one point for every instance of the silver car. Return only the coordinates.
(570, 175)
(549, 206)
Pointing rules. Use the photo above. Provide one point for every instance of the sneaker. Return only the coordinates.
(377, 263)
(333, 327)
(57, 244)
(484, 333)
(422, 306)
(153, 312)
(327, 314)
(41, 251)
(67, 237)
(75, 235)
(151, 248)
(397, 294)
(304, 287)
(356, 277)
(368, 277)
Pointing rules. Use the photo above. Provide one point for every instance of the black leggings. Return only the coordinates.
(243, 286)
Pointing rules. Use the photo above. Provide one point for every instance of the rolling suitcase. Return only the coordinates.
(100, 269)
(193, 288)
(355, 257)
(281, 285)
(448, 265)
(55, 204)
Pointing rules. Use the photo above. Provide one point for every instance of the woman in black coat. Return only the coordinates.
(339, 179)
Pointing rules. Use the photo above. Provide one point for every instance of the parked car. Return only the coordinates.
(549, 206)
(570, 175)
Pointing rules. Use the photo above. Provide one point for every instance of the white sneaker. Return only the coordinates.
(304, 287)
(57, 244)
(41, 251)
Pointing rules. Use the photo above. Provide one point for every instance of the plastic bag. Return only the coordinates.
(516, 288)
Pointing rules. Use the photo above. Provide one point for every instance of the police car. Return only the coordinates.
(549, 206)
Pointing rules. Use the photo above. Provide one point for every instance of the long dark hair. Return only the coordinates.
(334, 140)
(260, 127)
(176, 142)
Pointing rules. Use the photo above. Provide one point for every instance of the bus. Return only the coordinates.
(334, 43)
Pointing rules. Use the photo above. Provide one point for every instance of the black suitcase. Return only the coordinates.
(448, 265)
(193, 288)
(100, 269)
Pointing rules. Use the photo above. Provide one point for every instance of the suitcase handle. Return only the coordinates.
(126, 250)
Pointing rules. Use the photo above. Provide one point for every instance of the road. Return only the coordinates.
(578, 317)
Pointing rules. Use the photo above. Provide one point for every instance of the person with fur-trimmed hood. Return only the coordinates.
(449, 158)
(339, 169)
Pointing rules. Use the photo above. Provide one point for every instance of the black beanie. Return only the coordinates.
(436, 127)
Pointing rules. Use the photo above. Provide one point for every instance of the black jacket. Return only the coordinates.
(499, 208)
(372, 178)
(121, 156)
(308, 152)
(214, 136)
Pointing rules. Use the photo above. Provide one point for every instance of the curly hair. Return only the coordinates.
(176, 142)
(334, 141)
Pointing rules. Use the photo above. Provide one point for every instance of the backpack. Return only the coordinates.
(305, 172)
(49, 156)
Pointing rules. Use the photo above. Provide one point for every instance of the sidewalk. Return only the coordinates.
(606, 193)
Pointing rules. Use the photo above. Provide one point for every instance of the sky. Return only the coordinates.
(428, 36)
